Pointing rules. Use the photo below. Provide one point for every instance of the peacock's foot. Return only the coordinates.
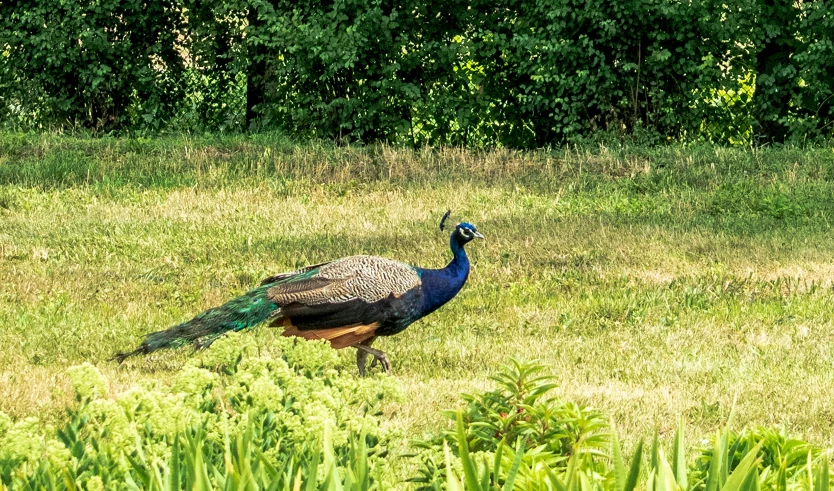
(382, 358)
(362, 352)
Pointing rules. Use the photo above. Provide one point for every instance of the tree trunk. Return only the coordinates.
(775, 76)
(256, 70)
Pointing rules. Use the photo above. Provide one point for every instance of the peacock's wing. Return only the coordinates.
(292, 274)
(347, 300)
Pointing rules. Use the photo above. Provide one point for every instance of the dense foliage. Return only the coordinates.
(231, 419)
(518, 74)
(519, 437)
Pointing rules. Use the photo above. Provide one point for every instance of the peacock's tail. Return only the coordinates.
(240, 313)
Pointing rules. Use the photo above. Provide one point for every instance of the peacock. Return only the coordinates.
(348, 302)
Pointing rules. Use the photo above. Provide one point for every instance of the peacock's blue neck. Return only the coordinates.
(441, 285)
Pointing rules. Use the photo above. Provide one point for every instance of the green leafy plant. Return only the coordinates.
(229, 420)
(544, 430)
(592, 458)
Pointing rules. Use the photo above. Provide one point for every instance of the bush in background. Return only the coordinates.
(516, 74)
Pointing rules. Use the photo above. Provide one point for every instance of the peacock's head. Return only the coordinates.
(464, 232)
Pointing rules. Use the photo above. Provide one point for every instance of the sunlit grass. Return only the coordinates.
(654, 282)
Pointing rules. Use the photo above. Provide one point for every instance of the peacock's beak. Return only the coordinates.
(478, 235)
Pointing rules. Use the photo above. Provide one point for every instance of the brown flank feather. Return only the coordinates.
(339, 337)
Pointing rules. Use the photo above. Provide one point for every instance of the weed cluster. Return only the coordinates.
(229, 420)
(518, 437)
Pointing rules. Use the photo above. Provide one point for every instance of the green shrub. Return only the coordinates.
(517, 74)
(230, 419)
(518, 437)
(100, 65)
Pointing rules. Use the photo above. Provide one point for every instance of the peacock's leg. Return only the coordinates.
(364, 349)
(361, 360)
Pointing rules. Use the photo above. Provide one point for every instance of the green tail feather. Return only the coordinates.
(240, 313)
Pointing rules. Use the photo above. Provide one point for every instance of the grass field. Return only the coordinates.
(655, 282)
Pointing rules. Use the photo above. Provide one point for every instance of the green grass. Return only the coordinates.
(654, 282)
